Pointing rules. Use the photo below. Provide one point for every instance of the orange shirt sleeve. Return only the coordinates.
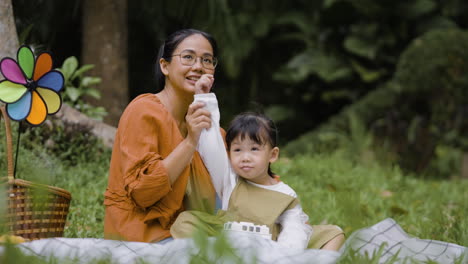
(145, 178)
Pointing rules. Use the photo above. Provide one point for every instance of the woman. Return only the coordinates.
(155, 172)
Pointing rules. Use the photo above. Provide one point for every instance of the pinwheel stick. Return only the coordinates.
(9, 150)
(17, 148)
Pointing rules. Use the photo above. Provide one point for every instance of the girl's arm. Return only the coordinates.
(295, 232)
(212, 149)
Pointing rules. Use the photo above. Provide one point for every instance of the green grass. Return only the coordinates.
(332, 187)
(335, 190)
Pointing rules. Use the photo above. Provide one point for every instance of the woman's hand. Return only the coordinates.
(197, 119)
(204, 84)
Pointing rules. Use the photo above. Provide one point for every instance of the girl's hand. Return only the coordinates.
(197, 119)
(204, 84)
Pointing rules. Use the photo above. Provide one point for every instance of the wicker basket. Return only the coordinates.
(35, 211)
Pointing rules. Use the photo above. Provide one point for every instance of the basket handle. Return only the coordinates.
(11, 175)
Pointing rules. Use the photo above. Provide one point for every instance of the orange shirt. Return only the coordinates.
(141, 204)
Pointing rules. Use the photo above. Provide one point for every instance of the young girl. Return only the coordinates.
(249, 191)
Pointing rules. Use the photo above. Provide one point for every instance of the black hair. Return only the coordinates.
(257, 127)
(170, 44)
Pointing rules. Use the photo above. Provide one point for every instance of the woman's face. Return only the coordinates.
(180, 77)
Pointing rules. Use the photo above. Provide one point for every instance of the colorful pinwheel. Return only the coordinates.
(31, 88)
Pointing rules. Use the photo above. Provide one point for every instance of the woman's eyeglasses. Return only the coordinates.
(189, 58)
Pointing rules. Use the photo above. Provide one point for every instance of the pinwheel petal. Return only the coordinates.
(38, 112)
(51, 99)
(11, 92)
(52, 80)
(26, 61)
(12, 71)
(20, 109)
(43, 65)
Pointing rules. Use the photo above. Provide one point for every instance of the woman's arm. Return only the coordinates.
(197, 119)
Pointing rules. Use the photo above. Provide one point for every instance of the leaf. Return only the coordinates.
(368, 8)
(69, 66)
(87, 81)
(296, 70)
(93, 93)
(81, 70)
(437, 22)
(73, 93)
(328, 67)
(417, 8)
(299, 20)
(331, 68)
(97, 113)
(329, 96)
(361, 47)
(367, 75)
(262, 25)
(279, 112)
(329, 3)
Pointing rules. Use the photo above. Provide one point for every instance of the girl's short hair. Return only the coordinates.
(255, 126)
(167, 49)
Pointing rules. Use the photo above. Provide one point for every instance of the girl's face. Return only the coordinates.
(250, 160)
(180, 77)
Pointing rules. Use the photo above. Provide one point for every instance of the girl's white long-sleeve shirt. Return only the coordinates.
(295, 231)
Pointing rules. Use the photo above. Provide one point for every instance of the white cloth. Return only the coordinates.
(213, 151)
(295, 232)
(245, 249)
(386, 238)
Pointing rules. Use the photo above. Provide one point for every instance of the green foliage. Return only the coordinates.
(334, 189)
(87, 183)
(346, 133)
(364, 46)
(11, 254)
(328, 67)
(71, 143)
(432, 98)
(446, 72)
(352, 256)
(78, 86)
(415, 115)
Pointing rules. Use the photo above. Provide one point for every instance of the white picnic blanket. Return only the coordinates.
(248, 249)
(386, 236)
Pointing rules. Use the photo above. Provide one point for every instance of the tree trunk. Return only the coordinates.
(69, 116)
(9, 37)
(464, 166)
(105, 46)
